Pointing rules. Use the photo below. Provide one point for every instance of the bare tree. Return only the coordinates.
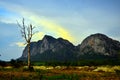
(27, 33)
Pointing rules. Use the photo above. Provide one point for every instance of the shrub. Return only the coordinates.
(16, 63)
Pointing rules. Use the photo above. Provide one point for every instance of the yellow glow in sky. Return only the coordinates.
(52, 28)
(37, 36)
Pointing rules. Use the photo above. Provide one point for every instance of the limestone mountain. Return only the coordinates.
(101, 44)
(50, 48)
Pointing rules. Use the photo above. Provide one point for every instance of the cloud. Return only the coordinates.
(52, 27)
(20, 44)
(48, 25)
(83, 21)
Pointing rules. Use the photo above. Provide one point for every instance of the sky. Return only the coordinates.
(73, 20)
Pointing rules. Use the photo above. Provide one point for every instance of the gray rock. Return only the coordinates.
(48, 43)
(52, 49)
(99, 43)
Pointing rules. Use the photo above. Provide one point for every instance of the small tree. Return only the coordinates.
(27, 33)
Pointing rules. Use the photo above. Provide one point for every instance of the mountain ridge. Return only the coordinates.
(52, 49)
(51, 45)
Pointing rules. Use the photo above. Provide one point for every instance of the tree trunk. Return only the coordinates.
(29, 62)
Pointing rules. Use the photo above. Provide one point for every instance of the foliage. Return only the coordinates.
(82, 62)
(3, 63)
(16, 63)
(57, 59)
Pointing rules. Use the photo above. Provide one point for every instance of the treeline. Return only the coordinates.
(79, 63)
(13, 63)
(82, 60)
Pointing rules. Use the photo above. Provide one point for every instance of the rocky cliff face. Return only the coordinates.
(99, 43)
(50, 48)
(50, 45)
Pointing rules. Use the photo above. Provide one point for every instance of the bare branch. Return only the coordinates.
(19, 25)
(27, 33)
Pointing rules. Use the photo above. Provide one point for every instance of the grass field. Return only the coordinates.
(61, 73)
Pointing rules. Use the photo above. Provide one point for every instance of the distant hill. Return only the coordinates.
(96, 46)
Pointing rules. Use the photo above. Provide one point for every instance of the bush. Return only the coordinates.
(3, 63)
(16, 63)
